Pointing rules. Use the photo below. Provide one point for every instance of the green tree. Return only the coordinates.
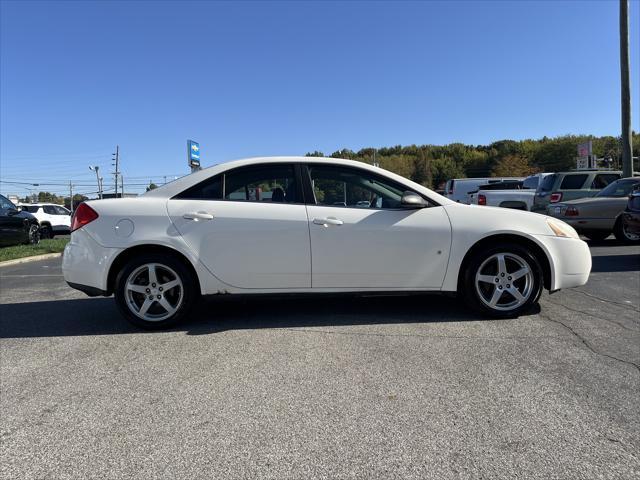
(445, 169)
(512, 166)
(152, 186)
(422, 169)
(315, 153)
(48, 197)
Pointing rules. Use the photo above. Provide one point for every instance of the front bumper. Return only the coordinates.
(570, 260)
(86, 263)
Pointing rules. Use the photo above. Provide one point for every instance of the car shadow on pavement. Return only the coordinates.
(99, 316)
(616, 263)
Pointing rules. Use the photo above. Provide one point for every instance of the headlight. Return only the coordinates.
(561, 229)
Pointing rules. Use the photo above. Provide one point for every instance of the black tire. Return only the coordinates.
(532, 285)
(190, 291)
(596, 235)
(46, 231)
(619, 231)
(33, 235)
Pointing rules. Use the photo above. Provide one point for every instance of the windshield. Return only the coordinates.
(619, 188)
(531, 182)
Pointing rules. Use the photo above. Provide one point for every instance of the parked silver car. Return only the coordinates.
(597, 217)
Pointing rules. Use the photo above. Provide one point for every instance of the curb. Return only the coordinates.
(33, 258)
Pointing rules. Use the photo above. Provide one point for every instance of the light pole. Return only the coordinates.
(625, 91)
(96, 169)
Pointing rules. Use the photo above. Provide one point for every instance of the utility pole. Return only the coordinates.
(117, 172)
(96, 169)
(625, 91)
(70, 196)
(122, 184)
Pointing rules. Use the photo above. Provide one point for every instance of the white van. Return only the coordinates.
(457, 189)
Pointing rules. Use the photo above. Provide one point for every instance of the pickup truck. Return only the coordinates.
(516, 195)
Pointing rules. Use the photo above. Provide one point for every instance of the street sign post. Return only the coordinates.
(193, 155)
(582, 163)
(585, 159)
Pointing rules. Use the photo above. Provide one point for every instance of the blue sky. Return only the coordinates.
(270, 78)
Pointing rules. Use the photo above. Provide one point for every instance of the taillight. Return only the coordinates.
(482, 200)
(555, 197)
(571, 212)
(84, 214)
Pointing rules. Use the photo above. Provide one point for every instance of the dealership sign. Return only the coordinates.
(585, 159)
(193, 154)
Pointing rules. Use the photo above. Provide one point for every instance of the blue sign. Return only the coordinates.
(193, 153)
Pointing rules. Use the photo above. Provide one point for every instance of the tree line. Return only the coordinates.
(48, 197)
(432, 165)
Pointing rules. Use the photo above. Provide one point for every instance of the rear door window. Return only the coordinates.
(603, 179)
(573, 182)
(262, 183)
(61, 211)
(274, 183)
(49, 210)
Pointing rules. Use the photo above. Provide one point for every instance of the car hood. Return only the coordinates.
(24, 214)
(483, 219)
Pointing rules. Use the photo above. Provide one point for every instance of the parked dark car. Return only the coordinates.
(16, 226)
(631, 217)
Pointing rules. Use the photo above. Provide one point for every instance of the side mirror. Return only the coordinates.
(14, 211)
(412, 200)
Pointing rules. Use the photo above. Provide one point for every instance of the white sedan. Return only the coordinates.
(300, 225)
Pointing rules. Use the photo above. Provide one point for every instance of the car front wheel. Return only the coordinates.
(33, 235)
(502, 281)
(623, 234)
(154, 291)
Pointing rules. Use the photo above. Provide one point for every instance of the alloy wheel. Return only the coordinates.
(630, 236)
(154, 292)
(34, 234)
(504, 281)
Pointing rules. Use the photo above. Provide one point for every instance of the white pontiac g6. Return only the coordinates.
(312, 225)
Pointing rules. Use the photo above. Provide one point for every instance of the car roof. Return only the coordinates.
(582, 172)
(182, 183)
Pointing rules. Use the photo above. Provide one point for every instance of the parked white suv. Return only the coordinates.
(54, 219)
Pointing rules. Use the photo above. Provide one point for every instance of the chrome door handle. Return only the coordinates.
(327, 221)
(195, 216)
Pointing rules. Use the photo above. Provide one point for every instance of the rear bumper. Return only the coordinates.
(570, 261)
(86, 263)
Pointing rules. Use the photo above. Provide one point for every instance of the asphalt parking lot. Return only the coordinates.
(372, 387)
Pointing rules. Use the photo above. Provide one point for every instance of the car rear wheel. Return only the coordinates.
(155, 292)
(503, 281)
(623, 234)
